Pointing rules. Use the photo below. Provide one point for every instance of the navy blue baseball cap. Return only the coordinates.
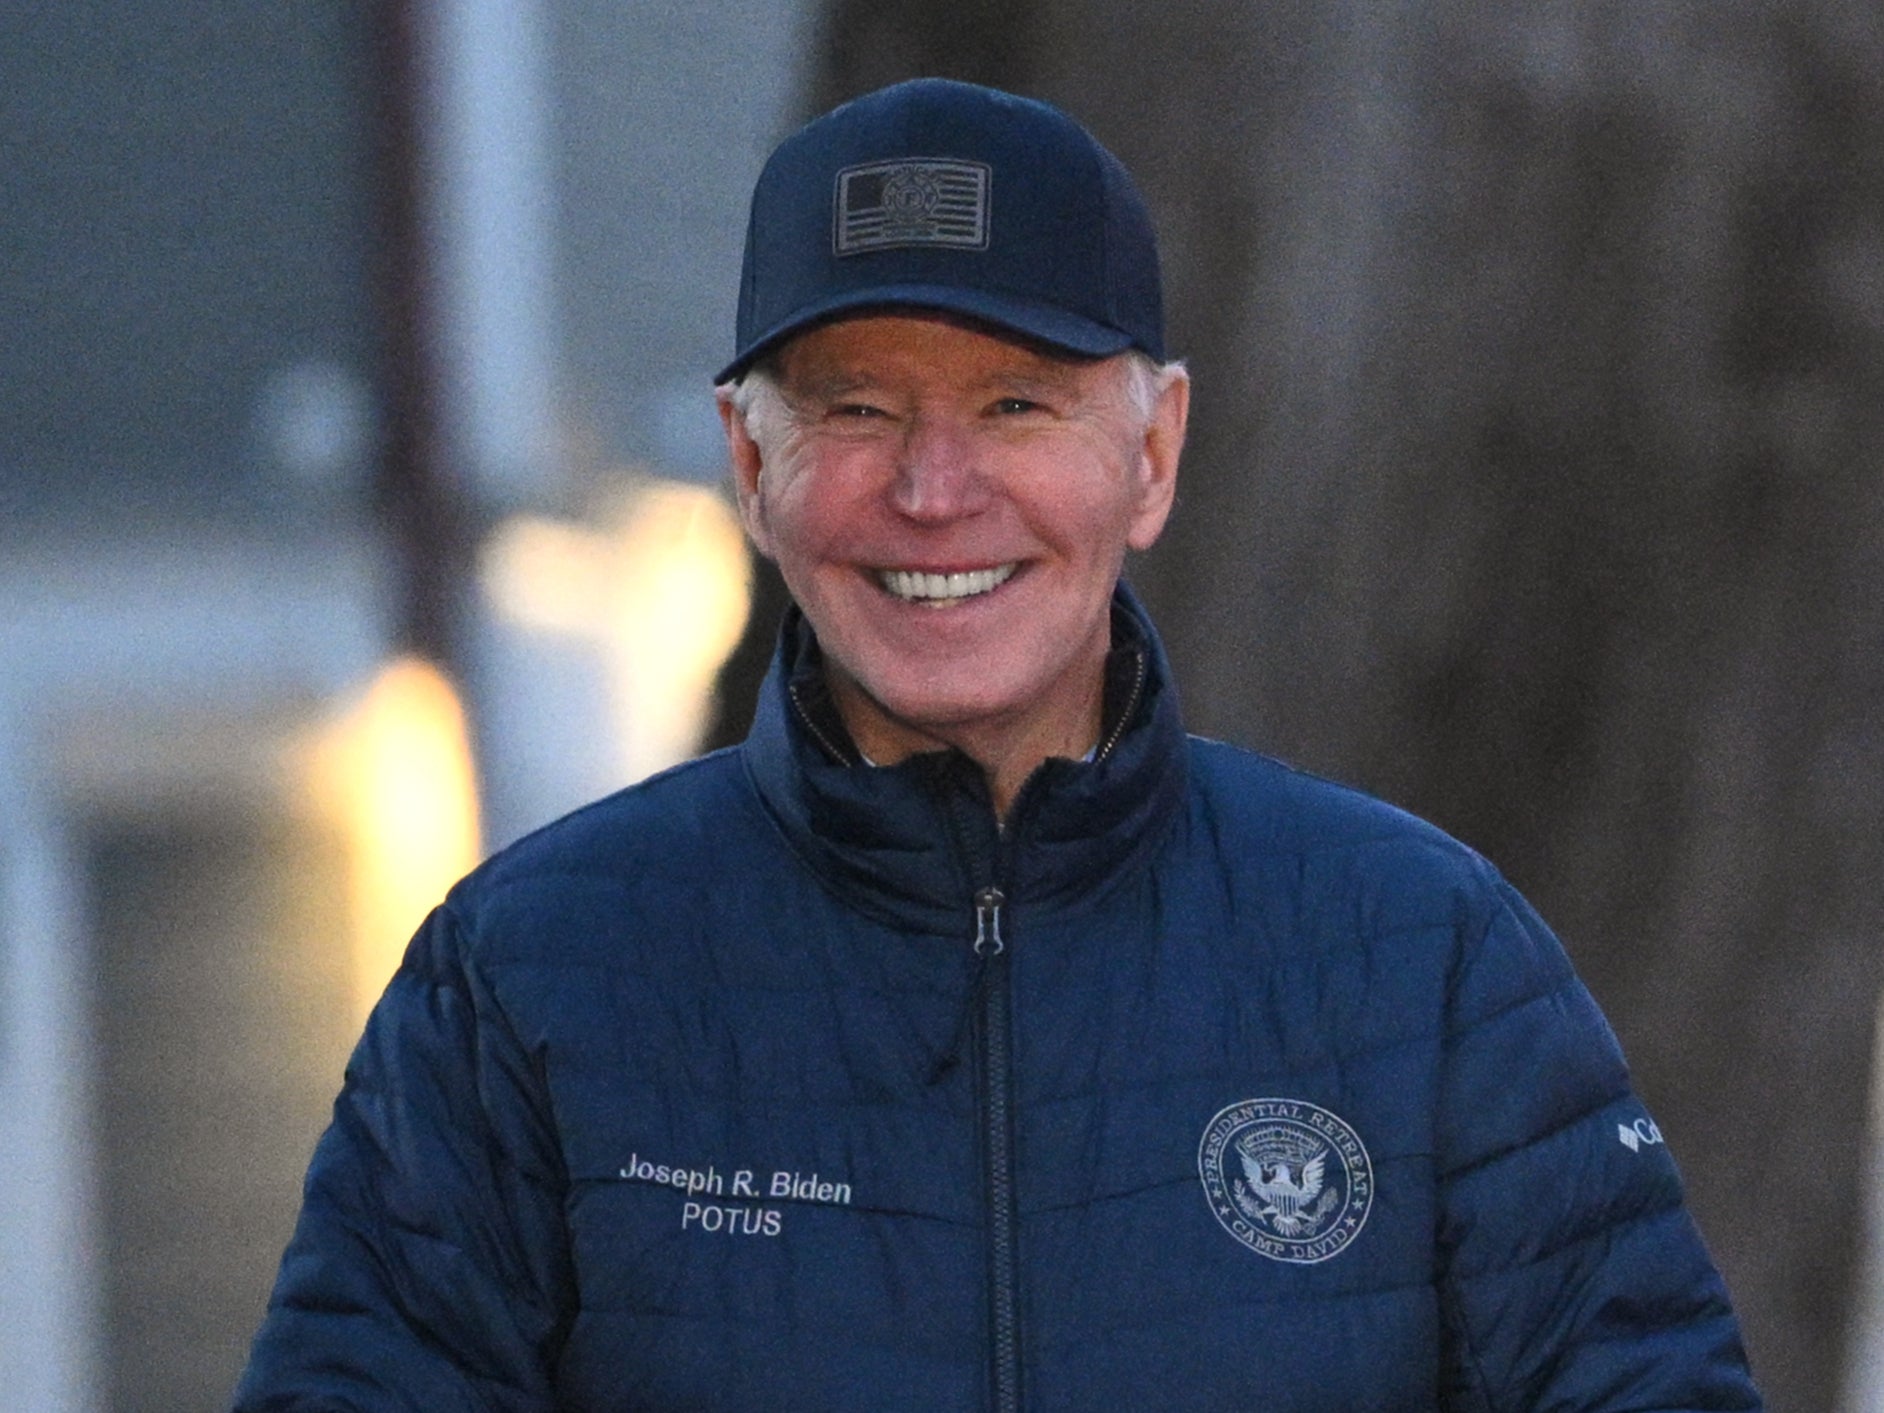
(940, 195)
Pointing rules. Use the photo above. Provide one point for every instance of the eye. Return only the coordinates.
(856, 410)
(1015, 406)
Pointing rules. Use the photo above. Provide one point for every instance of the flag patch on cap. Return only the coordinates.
(916, 201)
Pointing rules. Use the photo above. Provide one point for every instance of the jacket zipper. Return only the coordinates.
(1140, 670)
(998, 1150)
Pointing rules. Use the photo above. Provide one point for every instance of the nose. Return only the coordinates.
(939, 473)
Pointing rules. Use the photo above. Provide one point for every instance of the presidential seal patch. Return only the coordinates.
(1288, 1179)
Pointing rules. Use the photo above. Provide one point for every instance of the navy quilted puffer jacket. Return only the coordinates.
(783, 1082)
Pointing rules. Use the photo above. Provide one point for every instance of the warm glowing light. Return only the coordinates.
(548, 575)
(661, 590)
(395, 772)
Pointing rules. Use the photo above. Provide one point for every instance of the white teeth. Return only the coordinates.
(941, 589)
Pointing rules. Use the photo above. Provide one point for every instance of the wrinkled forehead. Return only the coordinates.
(938, 346)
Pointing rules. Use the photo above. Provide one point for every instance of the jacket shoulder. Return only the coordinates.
(684, 800)
(1267, 811)
(646, 851)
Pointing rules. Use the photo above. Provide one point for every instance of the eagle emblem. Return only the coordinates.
(1306, 1186)
(1288, 1202)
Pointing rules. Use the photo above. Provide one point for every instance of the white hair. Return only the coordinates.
(1146, 380)
(759, 399)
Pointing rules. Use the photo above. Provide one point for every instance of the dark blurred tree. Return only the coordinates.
(1536, 483)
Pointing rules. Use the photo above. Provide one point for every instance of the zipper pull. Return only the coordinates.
(988, 941)
(988, 945)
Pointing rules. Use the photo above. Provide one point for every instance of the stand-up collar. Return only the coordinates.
(910, 843)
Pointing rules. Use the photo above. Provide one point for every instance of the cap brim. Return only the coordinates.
(1028, 319)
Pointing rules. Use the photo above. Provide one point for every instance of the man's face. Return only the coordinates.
(951, 510)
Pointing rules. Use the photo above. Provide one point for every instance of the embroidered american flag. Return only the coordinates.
(916, 201)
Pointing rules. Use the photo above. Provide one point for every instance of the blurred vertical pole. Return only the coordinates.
(51, 1324)
(415, 495)
(468, 299)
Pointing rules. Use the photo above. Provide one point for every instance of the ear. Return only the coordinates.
(746, 460)
(1158, 460)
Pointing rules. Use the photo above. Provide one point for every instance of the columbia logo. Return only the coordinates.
(1634, 1135)
(922, 201)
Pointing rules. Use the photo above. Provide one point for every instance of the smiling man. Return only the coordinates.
(951, 508)
(971, 1037)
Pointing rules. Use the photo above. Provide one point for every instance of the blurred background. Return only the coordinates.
(361, 509)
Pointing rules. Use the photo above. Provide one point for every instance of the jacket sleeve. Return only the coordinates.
(428, 1266)
(1573, 1277)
